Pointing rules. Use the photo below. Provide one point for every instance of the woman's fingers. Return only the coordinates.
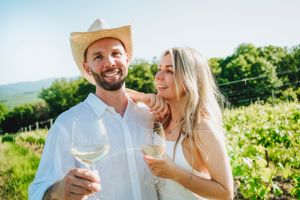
(159, 106)
(156, 166)
(165, 112)
(151, 100)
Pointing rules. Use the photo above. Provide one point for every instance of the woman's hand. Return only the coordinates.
(164, 167)
(157, 105)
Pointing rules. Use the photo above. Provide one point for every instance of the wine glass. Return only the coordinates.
(155, 146)
(90, 142)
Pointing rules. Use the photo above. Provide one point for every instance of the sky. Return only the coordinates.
(34, 34)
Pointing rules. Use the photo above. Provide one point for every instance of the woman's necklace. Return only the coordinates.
(175, 129)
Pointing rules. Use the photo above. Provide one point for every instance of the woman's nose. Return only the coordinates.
(159, 75)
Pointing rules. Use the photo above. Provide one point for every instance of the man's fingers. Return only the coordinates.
(83, 178)
(86, 174)
(87, 185)
(74, 196)
(79, 190)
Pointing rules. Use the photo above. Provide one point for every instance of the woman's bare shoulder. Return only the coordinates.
(209, 130)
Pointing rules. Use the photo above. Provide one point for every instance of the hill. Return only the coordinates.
(23, 92)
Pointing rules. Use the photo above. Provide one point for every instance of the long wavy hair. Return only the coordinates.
(202, 97)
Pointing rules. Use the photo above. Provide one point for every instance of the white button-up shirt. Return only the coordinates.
(122, 171)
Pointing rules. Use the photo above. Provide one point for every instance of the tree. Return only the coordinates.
(259, 75)
(60, 96)
(216, 69)
(141, 76)
(3, 112)
(83, 89)
(290, 64)
(25, 115)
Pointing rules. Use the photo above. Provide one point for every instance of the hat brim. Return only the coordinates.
(81, 40)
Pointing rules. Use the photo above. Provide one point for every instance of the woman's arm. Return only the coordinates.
(215, 158)
(156, 104)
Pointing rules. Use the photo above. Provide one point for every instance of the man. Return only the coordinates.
(102, 56)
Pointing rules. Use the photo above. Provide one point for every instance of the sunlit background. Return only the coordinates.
(34, 36)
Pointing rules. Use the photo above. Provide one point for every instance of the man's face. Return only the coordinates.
(107, 62)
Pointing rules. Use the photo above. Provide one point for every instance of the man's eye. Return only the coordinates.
(116, 54)
(98, 57)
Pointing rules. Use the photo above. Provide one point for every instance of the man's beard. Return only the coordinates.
(106, 85)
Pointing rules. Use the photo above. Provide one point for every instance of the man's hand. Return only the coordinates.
(76, 185)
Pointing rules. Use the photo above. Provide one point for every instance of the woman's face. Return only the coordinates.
(165, 79)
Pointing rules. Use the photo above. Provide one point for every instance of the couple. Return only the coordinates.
(195, 165)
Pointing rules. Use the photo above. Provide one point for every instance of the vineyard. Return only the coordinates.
(263, 145)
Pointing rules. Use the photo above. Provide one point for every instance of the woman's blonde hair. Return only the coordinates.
(202, 97)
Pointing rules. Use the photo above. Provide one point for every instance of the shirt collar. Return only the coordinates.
(97, 105)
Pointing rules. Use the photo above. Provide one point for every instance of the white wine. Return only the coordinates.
(156, 151)
(89, 157)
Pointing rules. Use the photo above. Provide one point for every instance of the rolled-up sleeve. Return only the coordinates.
(55, 162)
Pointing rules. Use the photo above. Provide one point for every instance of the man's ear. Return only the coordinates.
(127, 58)
(87, 69)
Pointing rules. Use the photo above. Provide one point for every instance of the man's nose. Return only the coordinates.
(110, 61)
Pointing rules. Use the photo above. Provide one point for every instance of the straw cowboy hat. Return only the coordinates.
(98, 30)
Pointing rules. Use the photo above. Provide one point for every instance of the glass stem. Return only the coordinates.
(93, 168)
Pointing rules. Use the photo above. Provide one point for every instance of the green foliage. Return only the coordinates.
(64, 94)
(18, 167)
(24, 115)
(289, 94)
(8, 138)
(245, 63)
(3, 112)
(83, 89)
(36, 137)
(141, 76)
(291, 65)
(264, 147)
(60, 96)
(216, 69)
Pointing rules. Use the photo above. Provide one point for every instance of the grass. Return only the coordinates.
(263, 145)
(17, 169)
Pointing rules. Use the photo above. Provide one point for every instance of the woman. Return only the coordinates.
(196, 164)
